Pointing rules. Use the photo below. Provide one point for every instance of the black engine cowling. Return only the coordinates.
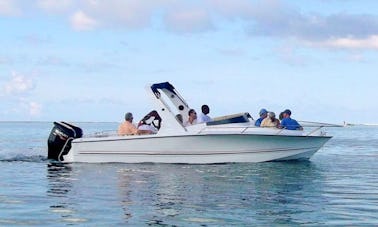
(59, 142)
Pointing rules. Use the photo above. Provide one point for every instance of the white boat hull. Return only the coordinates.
(230, 138)
(194, 149)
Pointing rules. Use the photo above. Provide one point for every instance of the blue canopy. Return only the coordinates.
(164, 85)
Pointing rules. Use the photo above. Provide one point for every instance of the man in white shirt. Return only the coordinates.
(203, 117)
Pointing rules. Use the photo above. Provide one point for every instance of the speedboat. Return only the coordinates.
(230, 138)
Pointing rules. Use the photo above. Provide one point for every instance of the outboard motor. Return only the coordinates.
(59, 142)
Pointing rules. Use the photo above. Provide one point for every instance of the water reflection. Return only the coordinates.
(125, 191)
(167, 194)
(291, 190)
(58, 176)
(60, 184)
(216, 194)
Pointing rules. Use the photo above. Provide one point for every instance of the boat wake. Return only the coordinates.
(23, 158)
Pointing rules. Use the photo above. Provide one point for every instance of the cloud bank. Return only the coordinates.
(275, 19)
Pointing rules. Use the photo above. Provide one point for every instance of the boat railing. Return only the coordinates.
(317, 129)
(105, 133)
(314, 130)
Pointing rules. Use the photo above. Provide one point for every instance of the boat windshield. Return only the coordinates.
(234, 118)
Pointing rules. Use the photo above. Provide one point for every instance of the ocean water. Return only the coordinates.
(337, 187)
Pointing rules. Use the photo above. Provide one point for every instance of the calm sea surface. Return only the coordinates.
(337, 187)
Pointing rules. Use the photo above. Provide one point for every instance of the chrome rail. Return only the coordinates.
(63, 148)
(244, 129)
(105, 133)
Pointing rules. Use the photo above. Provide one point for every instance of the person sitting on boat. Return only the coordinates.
(179, 119)
(156, 119)
(151, 121)
(263, 114)
(127, 127)
(192, 120)
(289, 123)
(204, 117)
(148, 127)
(280, 117)
(270, 121)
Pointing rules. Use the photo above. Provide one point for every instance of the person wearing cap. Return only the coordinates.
(270, 121)
(127, 127)
(289, 123)
(204, 117)
(263, 114)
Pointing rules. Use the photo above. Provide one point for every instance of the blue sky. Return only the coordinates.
(88, 60)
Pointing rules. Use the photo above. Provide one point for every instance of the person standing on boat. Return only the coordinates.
(204, 117)
(270, 121)
(192, 120)
(127, 127)
(289, 123)
(263, 114)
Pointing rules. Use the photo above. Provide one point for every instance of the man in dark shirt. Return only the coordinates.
(263, 114)
(288, 123)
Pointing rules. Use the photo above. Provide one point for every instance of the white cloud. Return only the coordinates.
(122, 13)
(270, 18)
(18, 84)
(81, 22)
(275, 19)
(9, 8)
(370, 42)
(34, 108)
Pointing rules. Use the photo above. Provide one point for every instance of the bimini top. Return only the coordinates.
(166, 91)
(164, 85)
